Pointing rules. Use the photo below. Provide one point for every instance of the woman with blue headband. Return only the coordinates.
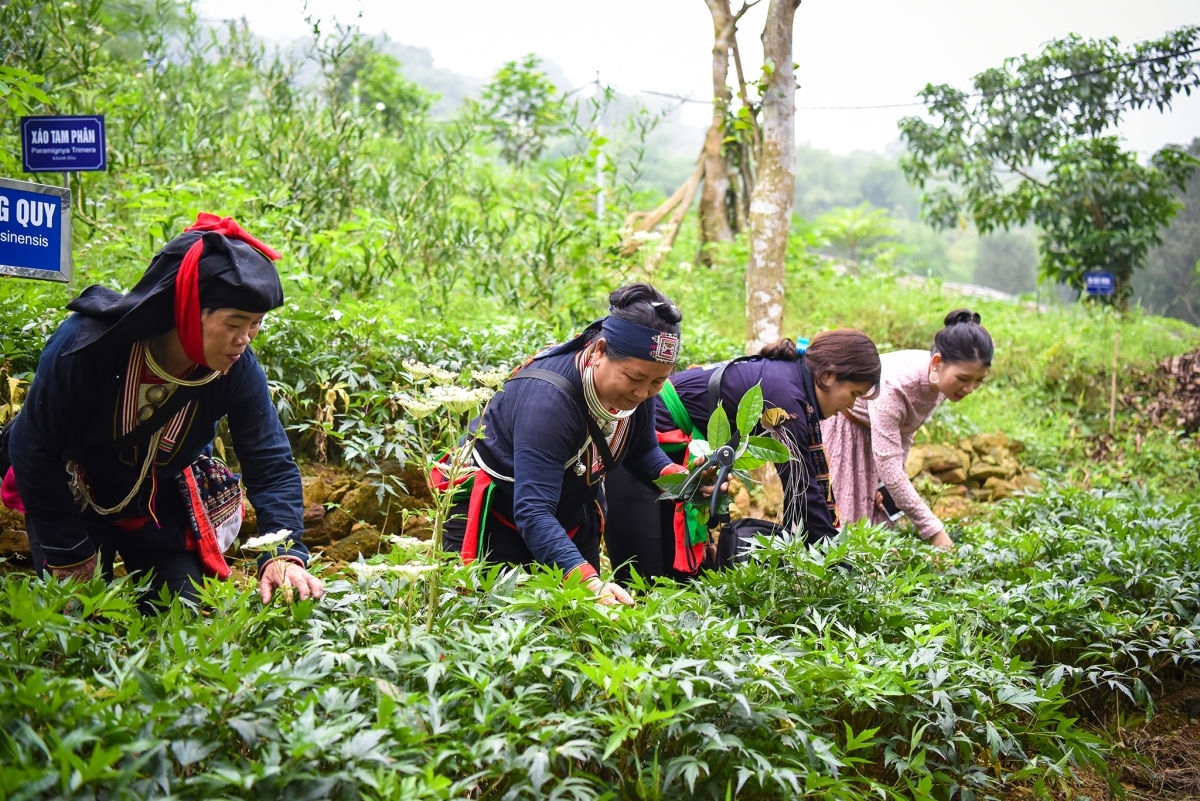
(800, 387)
(562, 421)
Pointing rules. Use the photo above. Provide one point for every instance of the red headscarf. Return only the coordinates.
(187, 280)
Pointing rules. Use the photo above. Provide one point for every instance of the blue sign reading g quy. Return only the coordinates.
(63, 144)
(35, 231)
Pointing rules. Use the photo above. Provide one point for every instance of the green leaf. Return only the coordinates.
(189, 752)
(750, 409)
(671, 482)
(748, 461)
(768, 449)
(718, 427)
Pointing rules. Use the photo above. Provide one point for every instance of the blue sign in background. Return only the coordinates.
(63, 144)
(35, 231)
(1097, 282)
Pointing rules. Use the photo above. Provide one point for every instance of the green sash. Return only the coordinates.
(679, 416)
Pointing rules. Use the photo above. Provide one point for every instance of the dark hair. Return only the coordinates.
(781, 350)
(964, 339)
(847, 352)
(644, 305)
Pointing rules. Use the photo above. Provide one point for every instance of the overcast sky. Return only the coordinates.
(851, 53)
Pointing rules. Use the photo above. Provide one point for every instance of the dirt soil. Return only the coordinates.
(1155, 760)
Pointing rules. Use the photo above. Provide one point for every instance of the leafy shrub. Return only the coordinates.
(860, 668)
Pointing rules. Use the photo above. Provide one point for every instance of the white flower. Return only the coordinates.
(418, 409)
(440, 376)
(408, 543)
(459, 399)
(269, 541)
(367, 571)
(490, 378)
(411, 571)
(418, 370)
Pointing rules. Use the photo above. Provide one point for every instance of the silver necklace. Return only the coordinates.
(606, 419)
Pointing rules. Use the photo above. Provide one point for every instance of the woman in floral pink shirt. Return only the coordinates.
(869, 442)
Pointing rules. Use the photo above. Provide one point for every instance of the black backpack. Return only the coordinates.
(737, 538)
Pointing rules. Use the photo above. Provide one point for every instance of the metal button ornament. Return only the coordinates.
(155, 395)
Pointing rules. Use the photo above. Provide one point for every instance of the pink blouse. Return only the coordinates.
(873, 446)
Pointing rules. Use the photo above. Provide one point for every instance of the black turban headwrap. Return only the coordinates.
(230, 272)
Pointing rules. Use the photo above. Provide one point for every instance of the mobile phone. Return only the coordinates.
(889, 505)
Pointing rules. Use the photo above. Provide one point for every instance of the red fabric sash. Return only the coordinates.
(687, 557)
(8, 493)
(204, 540)
(475, 515)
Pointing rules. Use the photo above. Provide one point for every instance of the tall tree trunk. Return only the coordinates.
(714, 219)
(772, 199)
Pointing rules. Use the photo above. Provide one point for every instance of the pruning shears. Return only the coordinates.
(722, 459)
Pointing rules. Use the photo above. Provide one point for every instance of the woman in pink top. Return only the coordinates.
(869, 442)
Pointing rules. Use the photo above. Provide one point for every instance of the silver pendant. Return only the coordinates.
(579, 468)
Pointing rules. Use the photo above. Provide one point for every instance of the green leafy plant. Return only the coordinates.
(733, 448)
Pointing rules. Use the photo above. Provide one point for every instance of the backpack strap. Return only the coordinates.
(714, 383)
(563, 383)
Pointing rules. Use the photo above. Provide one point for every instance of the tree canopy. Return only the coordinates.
(1036, 142)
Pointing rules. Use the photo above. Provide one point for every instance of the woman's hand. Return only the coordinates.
(608, 593)
(283, 572)
(708, 487)
(942, 540)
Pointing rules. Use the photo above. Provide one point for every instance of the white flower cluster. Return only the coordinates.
(418, 408)
(490, 378)
(459, 399)
(421, 371)
(269, 541)
(366, 572)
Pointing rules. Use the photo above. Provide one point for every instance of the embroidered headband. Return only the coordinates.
(187, 280)
(640, 341)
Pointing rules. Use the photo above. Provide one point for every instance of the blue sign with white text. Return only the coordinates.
(1098, 283)
(63, 144)
(35, 231)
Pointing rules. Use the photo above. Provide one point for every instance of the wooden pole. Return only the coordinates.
(1112, 402)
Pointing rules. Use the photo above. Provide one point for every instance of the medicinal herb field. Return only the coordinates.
(1015, 667)
(873, 669)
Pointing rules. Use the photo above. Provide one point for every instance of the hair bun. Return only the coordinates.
(962, 316)
(667, 311)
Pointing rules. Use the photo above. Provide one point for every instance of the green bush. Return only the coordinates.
(864, 668)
